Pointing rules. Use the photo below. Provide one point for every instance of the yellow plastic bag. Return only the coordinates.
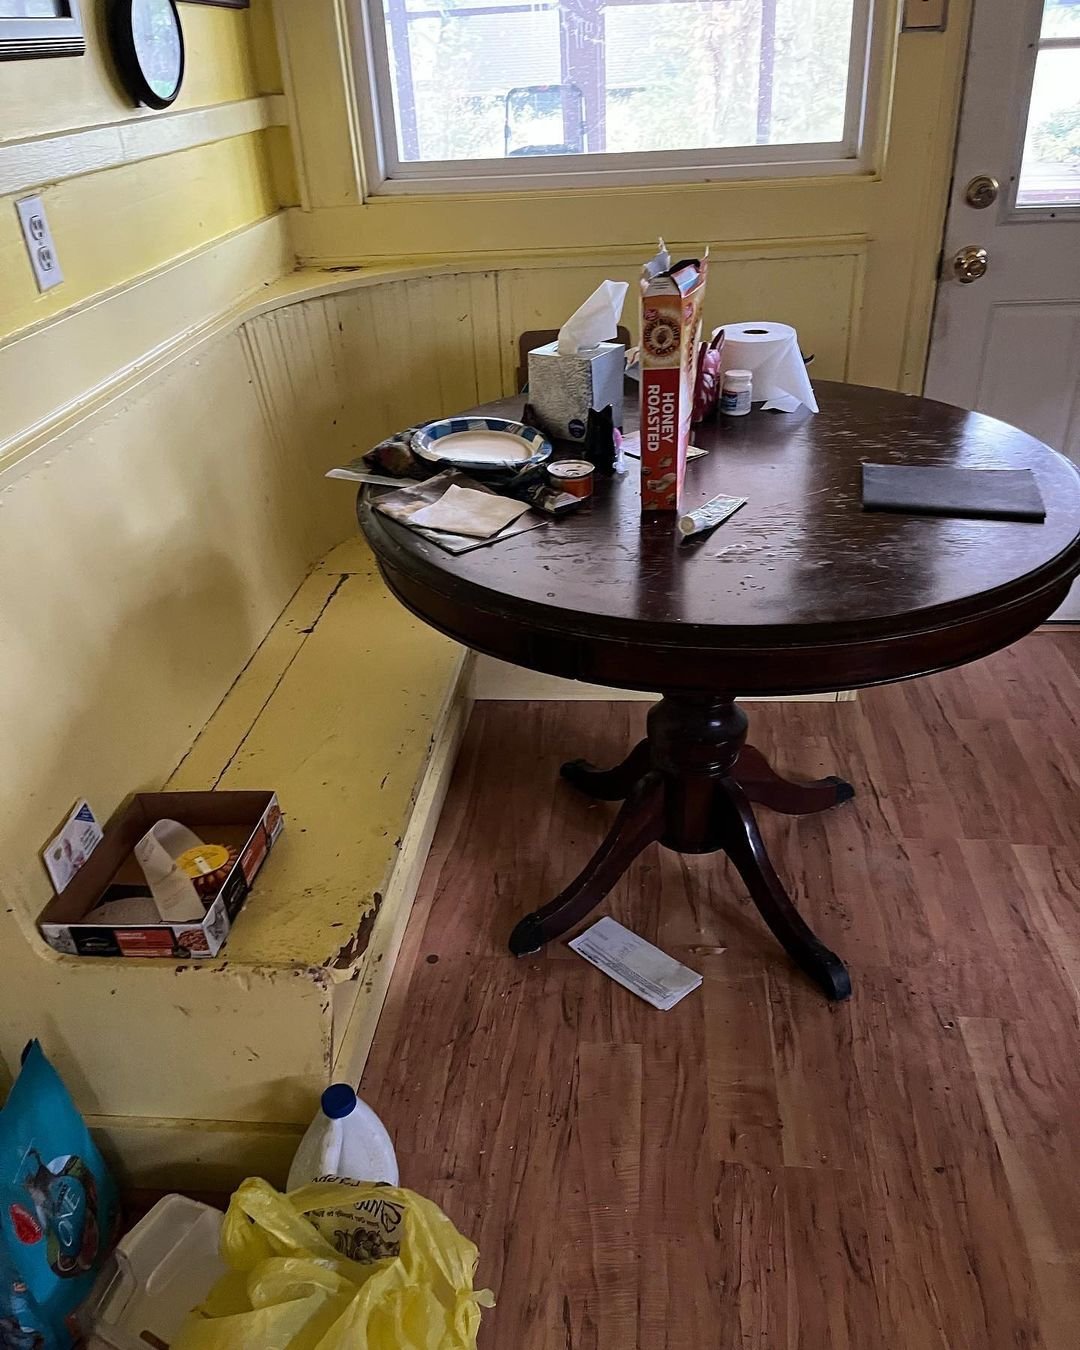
(339, 1266)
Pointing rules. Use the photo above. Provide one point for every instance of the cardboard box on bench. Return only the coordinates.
(248, 821)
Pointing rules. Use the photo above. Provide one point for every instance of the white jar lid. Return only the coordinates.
(738, 375)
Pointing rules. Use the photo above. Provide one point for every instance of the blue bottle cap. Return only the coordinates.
(338, 1100)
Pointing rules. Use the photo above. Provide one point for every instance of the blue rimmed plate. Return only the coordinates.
(478, 443)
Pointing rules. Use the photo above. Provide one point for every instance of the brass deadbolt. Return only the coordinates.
(982, 191)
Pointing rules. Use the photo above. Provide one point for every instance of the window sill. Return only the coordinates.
(479, 187)
(414, 181)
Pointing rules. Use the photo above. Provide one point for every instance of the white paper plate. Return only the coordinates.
(481, 443)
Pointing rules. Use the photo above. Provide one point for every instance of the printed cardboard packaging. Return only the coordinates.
(671, 303)
(248, 822)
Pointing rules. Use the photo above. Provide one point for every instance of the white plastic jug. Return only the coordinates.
(346, 1139)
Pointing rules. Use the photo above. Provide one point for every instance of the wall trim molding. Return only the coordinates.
(326, 239)
(205, 1155)
(101, 348)
(30, 163)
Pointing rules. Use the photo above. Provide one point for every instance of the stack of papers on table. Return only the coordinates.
(636, 964)
(457, 513)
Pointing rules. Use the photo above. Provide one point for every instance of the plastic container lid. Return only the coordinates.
(738, 375)
(338, 1101)
(570, 468)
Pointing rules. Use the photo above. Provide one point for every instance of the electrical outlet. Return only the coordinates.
(39, 243)
(925, 15)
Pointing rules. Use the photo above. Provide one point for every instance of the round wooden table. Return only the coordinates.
(800, 592)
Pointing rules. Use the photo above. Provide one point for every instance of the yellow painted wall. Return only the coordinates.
(41, 98)
(115, 225)
(170, 206)
(144, 556)
(145, 550)
(264, 49)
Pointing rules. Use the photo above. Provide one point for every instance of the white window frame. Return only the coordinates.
(387, 175)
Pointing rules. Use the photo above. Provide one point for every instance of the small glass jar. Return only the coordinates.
(736, 393)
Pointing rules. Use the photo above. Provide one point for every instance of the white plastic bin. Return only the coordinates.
(162, 1269)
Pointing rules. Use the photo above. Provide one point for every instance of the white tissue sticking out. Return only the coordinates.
(596, 321)
(770, 351)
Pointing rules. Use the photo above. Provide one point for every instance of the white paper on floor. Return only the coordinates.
(465, 511)
(636, 964)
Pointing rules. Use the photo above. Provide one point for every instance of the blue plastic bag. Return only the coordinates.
(58, 1209)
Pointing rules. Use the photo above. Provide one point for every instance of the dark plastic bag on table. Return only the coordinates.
(58, 1209)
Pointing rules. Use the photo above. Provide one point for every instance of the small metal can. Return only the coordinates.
(574, 476)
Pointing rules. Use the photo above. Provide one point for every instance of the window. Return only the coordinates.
(490, 92)
(1050, 170)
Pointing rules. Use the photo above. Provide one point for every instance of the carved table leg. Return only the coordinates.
(746, 849)
(762, 784)
(609, 785)
(639, 822)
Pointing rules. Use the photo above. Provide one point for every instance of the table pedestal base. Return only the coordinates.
(689, 786)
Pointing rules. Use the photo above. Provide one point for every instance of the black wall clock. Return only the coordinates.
(148, 44)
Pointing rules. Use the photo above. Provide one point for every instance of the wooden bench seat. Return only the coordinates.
(337, 712)
(352, 711)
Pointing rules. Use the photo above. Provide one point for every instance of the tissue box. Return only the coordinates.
(670, 329)
(562, 389)
(248, 821)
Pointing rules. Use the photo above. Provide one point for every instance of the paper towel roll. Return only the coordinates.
(770, 351)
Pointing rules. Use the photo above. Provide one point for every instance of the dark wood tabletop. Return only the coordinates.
(801, 591)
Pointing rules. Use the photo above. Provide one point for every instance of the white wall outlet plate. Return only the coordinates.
(925, 15)
(39, 243)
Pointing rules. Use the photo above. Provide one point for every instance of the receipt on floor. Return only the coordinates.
(636, 964)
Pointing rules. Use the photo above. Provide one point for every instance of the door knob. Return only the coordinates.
(971, 263)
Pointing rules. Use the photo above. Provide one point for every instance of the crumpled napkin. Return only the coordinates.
(479, 515)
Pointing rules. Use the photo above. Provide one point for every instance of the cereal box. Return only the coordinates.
(671, 301)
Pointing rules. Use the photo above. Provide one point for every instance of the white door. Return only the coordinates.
(1008, 341)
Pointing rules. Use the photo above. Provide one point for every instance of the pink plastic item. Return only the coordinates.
(707, 383)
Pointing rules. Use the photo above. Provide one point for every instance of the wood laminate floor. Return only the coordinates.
(757, 1169)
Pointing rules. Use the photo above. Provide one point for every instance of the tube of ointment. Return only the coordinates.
(707, 517)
